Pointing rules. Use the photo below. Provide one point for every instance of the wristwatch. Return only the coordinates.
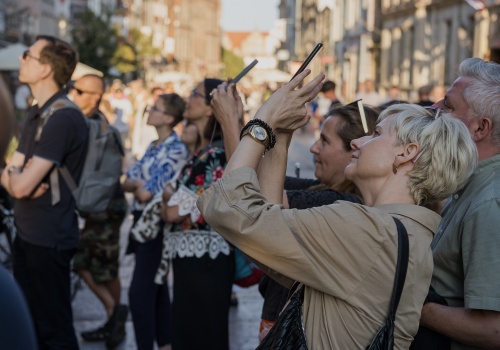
(258, 133)
(12, 169)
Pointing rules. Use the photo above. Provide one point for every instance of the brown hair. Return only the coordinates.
(173, 105)
(351, 127)
(60, 56)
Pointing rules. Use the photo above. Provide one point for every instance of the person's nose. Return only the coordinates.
(439, 104)
(314, 147)
(357, 143)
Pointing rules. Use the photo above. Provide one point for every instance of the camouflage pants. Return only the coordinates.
(99, 247)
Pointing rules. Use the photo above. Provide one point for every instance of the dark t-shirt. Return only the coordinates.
(63, 141)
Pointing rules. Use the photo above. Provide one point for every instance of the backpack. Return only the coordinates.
(102, 167)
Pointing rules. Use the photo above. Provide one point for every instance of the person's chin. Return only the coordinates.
(349, 171)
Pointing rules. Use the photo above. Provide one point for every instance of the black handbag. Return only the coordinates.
(384, 339)
(288, 332)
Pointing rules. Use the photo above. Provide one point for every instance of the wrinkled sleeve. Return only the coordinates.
(481, 258)
(330, 248)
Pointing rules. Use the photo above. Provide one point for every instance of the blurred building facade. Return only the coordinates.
(186, 32)
(407, 43)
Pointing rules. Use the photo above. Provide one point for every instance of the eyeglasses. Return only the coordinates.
(27, 54)
(194, 92)
(154, 109)
(436, 110)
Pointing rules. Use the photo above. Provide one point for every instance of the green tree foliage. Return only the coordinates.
(143, 47)
(233, 64)
(125, 58)
(95, 40)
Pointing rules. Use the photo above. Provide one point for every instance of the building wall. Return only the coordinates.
(408, 43)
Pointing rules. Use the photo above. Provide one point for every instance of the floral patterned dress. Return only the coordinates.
(195, 237)
(202, 261)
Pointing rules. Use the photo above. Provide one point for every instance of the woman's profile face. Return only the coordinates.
(157, 116)
(331, 156)
(196, 106)
(373, 156)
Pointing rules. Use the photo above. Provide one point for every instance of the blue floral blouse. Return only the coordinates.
(159, 165)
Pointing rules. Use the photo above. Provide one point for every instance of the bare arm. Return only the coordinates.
(272, 170)
(22, 183)
(228, 110)
(130, 185)
(170, 213)
(16, 160)
(285, 112)
(480, 328)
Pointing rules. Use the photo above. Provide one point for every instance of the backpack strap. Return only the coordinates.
(58, 104)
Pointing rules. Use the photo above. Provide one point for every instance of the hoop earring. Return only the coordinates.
(394, 169)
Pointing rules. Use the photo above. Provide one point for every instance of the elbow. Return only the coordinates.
(144, 196)
(19, 193)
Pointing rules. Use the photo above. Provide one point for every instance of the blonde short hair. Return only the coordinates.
(448, 155)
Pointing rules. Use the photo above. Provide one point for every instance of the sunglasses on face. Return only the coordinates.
(27, 54)
(154, 109)
(81, 92)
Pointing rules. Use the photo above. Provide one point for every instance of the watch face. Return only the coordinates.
(260, 133)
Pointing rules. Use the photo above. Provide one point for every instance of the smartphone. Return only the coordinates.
(308, 59)
(243, 73)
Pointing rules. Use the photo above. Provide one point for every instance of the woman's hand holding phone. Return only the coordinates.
(285, 110)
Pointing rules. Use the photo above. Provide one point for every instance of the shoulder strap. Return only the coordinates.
(58, 104)
(401, 267)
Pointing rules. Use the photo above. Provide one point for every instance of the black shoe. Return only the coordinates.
(117, 326)
(99, 334)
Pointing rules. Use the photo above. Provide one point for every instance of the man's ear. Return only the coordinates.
(46, 70)
(480, 128)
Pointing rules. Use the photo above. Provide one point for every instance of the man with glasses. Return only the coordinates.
(47, 224)
(96, 260)
(466, 247)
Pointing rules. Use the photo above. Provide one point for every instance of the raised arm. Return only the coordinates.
(228, 110)
(284, 112)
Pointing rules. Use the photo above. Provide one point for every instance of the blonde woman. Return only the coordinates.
(344, 253)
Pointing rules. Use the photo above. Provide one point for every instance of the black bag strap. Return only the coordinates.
(401, 267)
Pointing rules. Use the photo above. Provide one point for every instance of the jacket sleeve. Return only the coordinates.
(330, 248)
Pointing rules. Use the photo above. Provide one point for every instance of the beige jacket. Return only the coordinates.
(344, 253)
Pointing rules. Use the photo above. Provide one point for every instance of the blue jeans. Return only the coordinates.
(43, 275)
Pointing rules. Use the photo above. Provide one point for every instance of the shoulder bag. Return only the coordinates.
(384, 339)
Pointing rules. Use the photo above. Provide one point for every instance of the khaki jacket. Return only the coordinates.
(344, 253)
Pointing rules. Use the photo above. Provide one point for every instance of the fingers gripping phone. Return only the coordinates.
(308, 59)
(243, 73)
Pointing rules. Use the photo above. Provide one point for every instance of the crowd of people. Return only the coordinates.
(208, 176)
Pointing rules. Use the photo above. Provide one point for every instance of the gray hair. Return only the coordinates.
(448, 155)
(482, 95)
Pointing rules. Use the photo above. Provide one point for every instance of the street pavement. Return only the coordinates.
(244, 319)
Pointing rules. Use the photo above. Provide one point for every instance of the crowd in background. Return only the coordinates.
(180, 143)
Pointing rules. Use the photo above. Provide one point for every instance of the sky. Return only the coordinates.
(247, 15)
